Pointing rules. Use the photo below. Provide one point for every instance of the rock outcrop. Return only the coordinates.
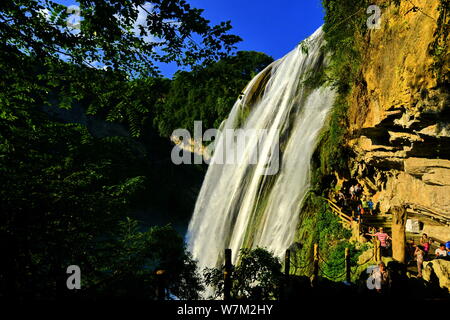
(399, 117)
(439, 270)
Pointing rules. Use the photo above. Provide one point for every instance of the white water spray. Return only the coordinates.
(243, 205)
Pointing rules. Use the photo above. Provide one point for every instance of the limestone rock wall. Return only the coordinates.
(399, 117)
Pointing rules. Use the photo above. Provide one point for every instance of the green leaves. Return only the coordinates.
(66, 192)
(127, 188)
(257, 276)
(344, 26)
(304, 45)
(206, 94)
(321, 226)
(134, 256)
(43, 61)
(41, 30)
(53, 197)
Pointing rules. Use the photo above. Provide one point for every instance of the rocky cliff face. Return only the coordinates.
(399, 117)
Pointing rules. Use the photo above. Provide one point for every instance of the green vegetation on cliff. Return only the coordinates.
(344, 28)
(320, 226)
(347, 34)
(439, 49)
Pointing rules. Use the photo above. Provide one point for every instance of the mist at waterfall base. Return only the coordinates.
(242, 205)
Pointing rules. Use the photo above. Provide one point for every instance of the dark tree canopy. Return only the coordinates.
(256, 277)
(42, 59)
(66, 194)
(109, 33)
(65, 199)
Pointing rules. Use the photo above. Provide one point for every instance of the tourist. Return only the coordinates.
(360, 211)
(425, 243)
(419, 253)
(441, 252)
(352, 192)
(383, 238)
(370, 206)
(382, 279)
(356, 189)
(355, 216)
(341, 199)
(364, 204)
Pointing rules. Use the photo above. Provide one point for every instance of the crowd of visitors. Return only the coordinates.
(421, 252)
(380, 275)
(351, 199)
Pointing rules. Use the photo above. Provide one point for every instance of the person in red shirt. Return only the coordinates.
(383, 237)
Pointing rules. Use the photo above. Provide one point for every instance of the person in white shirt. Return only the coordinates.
(381, 279)
(441, 252)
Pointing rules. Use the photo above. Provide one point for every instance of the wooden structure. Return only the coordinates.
(345, 219)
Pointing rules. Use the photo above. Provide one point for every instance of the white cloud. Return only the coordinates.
(142, 21)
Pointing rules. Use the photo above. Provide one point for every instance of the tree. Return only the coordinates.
(207, 93)
(128, 263)
(65, 198)
(257, 276)
(41, 54)
(112, 35)
(66, 194)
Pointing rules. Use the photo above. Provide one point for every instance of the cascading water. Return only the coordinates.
(244, 204)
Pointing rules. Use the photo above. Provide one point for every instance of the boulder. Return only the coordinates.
(440, 269)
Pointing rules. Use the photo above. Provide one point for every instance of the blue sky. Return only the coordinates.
(274, 27)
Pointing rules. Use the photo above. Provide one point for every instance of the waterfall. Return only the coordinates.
(244, 204)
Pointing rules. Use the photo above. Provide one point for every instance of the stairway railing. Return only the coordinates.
(345, 219)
